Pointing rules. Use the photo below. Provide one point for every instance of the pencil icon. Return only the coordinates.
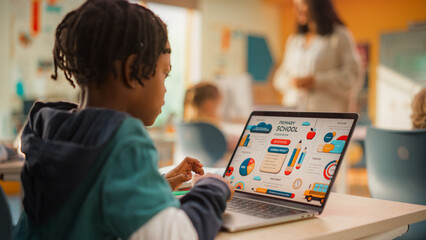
(293, 158)
(302, 156)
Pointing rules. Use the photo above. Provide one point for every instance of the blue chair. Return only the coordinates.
(6, 225)
(202, 141)
(396, 163)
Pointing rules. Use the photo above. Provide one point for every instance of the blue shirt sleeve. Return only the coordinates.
(205, 204)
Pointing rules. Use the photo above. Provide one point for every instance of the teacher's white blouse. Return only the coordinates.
(334, 63)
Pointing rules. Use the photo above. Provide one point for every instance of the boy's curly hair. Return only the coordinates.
(91, 38)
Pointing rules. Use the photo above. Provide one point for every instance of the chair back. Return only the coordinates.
(202, 141)
(396, 163)
(6, 226)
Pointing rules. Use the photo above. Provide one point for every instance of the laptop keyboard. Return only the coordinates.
(259, 209)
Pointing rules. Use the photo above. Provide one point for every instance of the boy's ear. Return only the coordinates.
(127, 65)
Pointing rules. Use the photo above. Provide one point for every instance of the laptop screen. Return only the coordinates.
(292, 157)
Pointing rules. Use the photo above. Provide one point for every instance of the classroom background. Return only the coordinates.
(237, 45)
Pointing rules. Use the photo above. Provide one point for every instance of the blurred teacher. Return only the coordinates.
(321, 70)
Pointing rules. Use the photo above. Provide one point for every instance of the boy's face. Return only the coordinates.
(152, 93)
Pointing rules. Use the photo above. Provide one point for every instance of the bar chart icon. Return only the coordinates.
(245, 141)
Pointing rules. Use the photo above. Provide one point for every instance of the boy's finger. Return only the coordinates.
(198, 170)
(177, 180)
(198, 163)
(195, 179)
(193, 161)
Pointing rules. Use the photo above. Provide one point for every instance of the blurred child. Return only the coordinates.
(418, 107)
(91, 169)
(202, 104)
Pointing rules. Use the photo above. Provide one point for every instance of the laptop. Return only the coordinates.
(284, 166)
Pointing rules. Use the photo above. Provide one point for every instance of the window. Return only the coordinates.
(185, 40)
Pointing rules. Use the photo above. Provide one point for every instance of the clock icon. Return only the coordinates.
(297, 183)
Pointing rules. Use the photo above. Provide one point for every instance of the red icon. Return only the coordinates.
(280, 141)
(311, 134)
(229, 171)
(344, 138)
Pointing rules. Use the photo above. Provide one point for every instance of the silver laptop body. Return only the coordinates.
(284, 166)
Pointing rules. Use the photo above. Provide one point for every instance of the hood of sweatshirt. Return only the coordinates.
(61, 143)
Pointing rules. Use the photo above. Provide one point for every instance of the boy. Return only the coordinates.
(91, 170)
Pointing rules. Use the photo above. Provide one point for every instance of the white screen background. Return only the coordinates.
(270, 178)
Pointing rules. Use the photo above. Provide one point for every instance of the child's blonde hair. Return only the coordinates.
(418, 106)
(201, 92)
(197, 95)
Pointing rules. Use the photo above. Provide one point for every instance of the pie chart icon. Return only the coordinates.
(247, 167)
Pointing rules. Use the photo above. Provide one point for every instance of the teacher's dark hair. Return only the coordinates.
(323, 14)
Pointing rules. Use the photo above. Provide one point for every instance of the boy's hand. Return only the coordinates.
(183, 172)
(210, 175)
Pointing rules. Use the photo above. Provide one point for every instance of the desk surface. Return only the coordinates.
(344, 217)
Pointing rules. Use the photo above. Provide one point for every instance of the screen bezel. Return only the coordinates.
(330, 115)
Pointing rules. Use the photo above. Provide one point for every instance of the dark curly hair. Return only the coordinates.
(91, 38)
(323, 14)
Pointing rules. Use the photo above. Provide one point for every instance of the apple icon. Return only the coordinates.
(311, 134)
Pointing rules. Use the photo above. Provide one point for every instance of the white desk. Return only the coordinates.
(344, 217)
